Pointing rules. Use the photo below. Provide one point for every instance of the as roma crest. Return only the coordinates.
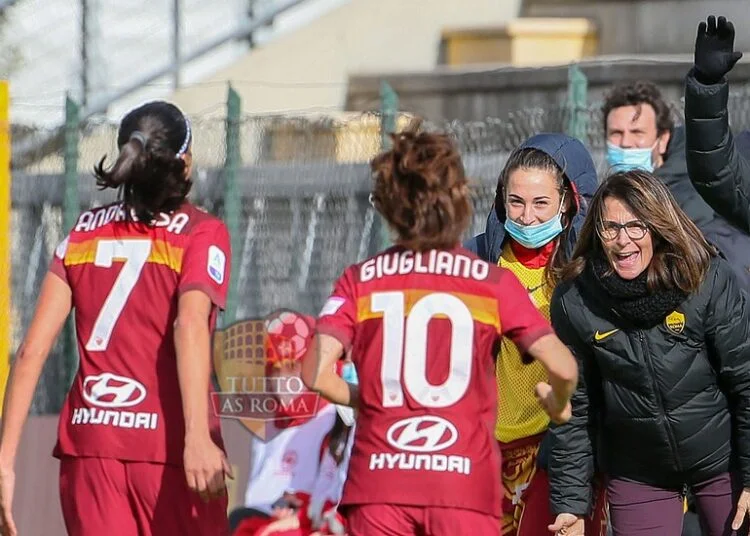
(257, 365)
(675, 322)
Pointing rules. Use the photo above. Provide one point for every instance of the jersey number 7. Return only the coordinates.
(405, 346)
(135, 253)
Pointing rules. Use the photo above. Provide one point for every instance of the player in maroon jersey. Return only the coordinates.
(423, 320)
(140, 452)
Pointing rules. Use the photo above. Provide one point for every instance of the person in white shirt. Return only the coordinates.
(308, 499)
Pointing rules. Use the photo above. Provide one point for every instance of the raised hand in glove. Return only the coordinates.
(714, 50)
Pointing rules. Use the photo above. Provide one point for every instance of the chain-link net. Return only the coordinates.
(304, 215)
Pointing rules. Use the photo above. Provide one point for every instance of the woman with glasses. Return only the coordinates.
(661, 332)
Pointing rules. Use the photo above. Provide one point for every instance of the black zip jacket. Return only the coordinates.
(733, 242)
(667, 406)
(719, 172)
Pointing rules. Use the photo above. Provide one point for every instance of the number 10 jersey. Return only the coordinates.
(424, 330)
(126, 278)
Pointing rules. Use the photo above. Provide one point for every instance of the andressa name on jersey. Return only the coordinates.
(433, 262)
(93, 219)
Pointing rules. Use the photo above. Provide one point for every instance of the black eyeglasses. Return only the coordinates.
(610, 230)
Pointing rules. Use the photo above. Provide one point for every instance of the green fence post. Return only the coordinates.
(71, 207)
(577, 104)
(232, 205)
(388, 114)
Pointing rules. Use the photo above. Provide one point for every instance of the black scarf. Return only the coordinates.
(631, 298)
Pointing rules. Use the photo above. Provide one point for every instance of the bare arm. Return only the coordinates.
(319, 374)
(561, 366)
(192, 337)
(205, 463)
(53, 307)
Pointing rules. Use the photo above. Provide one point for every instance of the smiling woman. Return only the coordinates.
(540, 205)
(634, 226)
(660, 328)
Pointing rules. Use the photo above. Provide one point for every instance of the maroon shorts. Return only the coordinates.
(102, 496)
(392, 519)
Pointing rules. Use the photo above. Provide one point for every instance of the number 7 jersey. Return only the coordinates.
(126, 278)
(424, 330)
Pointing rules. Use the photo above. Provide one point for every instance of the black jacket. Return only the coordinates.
(656, 405)
(733, 243)
(720, 173)
(674, 174)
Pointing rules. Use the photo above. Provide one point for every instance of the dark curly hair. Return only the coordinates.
(150, 170)
(422, 191)
(636, 94)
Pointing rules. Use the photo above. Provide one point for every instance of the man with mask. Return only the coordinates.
(641, 133)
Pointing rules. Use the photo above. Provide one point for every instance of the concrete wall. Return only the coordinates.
(476, 93)
(308, 69)
(647, 26)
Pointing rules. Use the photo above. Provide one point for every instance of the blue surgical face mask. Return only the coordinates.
(536, 236)
(620, 159)
(349, 374)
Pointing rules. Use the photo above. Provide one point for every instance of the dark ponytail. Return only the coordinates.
(150, 170)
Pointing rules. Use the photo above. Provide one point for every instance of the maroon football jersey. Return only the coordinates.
(126, 279)
(424, 329)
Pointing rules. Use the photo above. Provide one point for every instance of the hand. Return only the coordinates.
(7, 485)
(559, 412)
(567, 525)
(205, 467)
(743, 509)
(714, 50)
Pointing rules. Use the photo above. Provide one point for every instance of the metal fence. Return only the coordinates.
(292, 190)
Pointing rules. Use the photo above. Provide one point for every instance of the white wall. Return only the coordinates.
(307, 70)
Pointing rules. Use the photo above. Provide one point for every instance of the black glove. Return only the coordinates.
(714, 50)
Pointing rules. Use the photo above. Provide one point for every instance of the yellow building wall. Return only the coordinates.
(524, 42)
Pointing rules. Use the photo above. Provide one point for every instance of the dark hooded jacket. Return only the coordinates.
(716, 163)
(674, 174)
(571, 155)
(733, 243)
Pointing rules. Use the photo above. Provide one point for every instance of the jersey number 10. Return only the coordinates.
(135, 253)
(405, 346)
